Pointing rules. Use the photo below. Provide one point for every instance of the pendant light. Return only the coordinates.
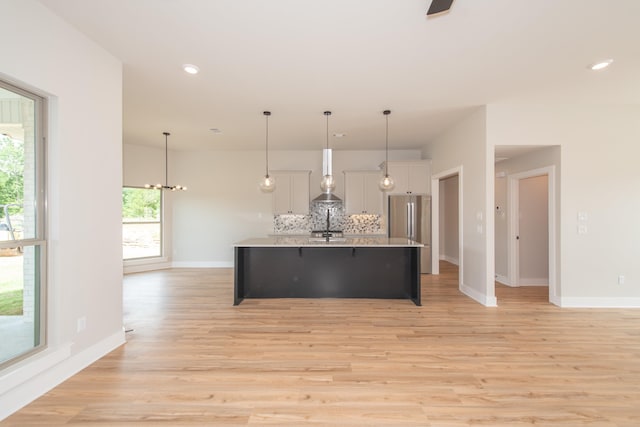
(386, 183)
(328, 183)
(267, 184)
(166, 186)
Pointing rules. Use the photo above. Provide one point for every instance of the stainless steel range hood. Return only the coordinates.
(328, 195)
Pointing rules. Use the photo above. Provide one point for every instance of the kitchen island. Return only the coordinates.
(304, 267)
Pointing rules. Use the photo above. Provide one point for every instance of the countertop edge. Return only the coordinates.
(362, 242)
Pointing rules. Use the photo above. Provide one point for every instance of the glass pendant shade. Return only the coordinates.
(328, 183)
(267, 184)
(386, 183)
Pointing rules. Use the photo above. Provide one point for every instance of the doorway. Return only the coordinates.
(446, 221)
(532, 232)
(449, 214)
(531, 223)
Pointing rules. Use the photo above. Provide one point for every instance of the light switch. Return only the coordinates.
(583, 216)
(582, 229)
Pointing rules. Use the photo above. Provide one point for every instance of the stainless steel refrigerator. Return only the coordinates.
(410, 217)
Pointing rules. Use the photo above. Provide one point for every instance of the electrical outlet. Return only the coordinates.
(81, 324)
(620, 280)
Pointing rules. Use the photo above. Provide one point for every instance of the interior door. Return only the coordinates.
(532, 239)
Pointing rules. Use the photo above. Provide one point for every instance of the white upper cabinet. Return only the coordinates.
(292, 192)
(361, 192)
(411, 177)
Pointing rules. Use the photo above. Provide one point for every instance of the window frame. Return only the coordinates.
(40, 237)
(160, 222)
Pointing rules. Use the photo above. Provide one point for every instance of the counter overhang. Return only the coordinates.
(301, 241)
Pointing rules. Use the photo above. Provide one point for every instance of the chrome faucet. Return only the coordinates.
(328, 233)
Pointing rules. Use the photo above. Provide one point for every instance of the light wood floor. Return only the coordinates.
(194, 359)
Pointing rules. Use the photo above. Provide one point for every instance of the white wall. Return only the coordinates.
(224, 204)
(600, 178)
(464, 145)
(84, 86)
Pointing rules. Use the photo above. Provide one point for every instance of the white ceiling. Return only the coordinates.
(356, 58)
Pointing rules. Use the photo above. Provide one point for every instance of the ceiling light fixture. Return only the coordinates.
(267, 184)
(386, 183)
(328, 183)
(191, 69)
(601, 65)
(166, 186)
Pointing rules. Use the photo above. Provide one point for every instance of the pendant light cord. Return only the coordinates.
(327, 129)
(386, 145)
(267, 144)
(166, 159)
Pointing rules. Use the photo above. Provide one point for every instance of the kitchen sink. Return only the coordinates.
(323, 233)
(324, 239)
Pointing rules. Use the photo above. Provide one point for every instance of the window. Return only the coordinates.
(22, 238)
(141, 223)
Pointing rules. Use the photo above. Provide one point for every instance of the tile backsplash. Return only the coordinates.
(338, 220)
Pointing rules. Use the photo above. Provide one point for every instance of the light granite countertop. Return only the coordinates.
(306, 241)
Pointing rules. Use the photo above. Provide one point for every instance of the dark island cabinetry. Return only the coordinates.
(366, 268)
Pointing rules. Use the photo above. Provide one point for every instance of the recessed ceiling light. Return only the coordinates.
(215, 130)
(190, 68)
(600, 65)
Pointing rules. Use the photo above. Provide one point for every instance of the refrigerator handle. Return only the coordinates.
(408, 206)
(413, 221)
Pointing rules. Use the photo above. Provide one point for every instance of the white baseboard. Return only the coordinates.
(479, 297)
(36, 375)
(534, 282)
(503, 279)
(139, 268)
(595, 302)
(450, 259)
(202, 264)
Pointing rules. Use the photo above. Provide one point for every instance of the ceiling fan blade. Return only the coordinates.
(439, 6)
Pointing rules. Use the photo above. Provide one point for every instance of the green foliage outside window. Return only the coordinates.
(140, 204)
(11, 171)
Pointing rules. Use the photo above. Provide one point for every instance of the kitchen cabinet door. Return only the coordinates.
(300, 193)
(362, 194)
(291, 195)
(400, 174)
(419, 176)
(411, 177)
